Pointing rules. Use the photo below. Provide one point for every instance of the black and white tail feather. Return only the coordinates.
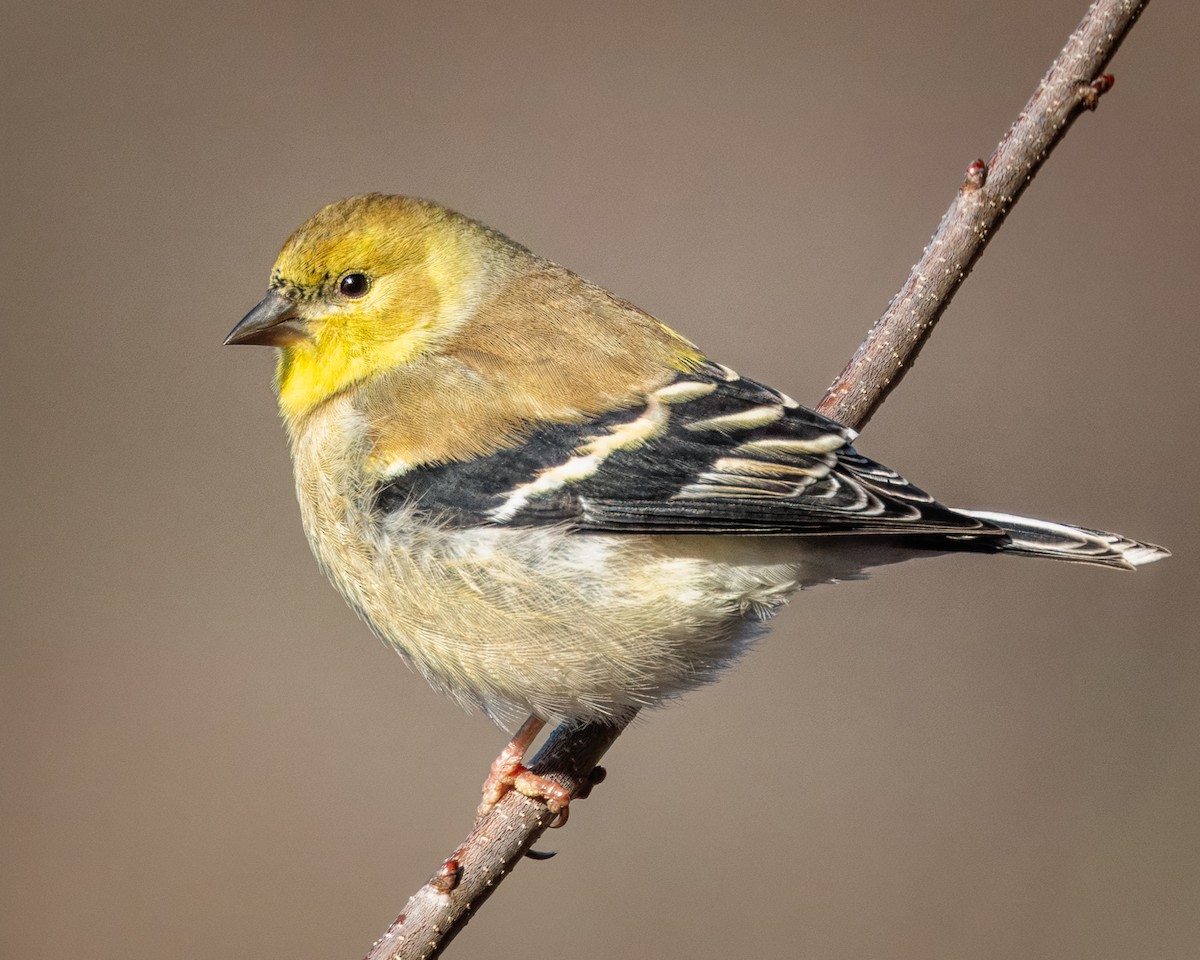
(1063, 541)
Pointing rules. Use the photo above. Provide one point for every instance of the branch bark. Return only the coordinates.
(1074, 83)
(435, 913)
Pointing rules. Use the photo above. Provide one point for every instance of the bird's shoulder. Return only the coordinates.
(541, 348)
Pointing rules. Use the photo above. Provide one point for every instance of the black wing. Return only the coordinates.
(711, 452)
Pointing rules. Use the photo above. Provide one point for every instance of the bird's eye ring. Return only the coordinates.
(353, 285)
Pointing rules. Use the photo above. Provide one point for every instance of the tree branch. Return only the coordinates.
(1074, 83)
(435, 913)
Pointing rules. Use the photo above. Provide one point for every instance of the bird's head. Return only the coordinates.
(366, 285)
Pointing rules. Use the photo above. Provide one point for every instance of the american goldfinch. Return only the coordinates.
(546, 501)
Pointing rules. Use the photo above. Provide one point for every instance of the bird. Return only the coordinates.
(552, 505)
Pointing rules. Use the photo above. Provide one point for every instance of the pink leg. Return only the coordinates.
(508, 773)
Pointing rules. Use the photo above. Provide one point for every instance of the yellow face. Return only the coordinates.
(375, 282)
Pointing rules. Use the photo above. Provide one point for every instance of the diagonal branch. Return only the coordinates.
(442, 907)
(1073, 84)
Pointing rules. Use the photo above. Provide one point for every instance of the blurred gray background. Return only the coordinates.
(204, 754)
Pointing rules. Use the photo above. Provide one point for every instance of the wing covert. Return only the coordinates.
(711, 452)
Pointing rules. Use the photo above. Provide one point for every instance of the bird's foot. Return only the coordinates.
(509, 773)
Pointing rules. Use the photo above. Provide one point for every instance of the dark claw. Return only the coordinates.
(541, 854)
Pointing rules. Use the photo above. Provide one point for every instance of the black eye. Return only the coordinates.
(353, 285)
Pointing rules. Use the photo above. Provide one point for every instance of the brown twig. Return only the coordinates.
(1074, 83)
(436, 912)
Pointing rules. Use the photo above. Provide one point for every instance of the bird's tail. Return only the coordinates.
(1062, 541)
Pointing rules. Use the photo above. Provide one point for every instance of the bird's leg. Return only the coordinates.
(509, 773)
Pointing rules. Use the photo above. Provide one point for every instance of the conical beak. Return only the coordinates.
(273, 323)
